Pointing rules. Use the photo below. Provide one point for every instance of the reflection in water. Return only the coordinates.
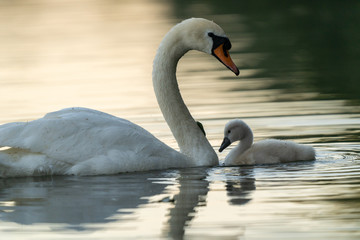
(72, 201)
(298, 60)
(239, 189)
(76, 202)
(193, 188)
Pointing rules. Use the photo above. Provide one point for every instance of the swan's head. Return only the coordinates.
(234, 130)
(205, 36)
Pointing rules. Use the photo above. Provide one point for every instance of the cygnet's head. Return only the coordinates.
(205, 36)
(234, 130)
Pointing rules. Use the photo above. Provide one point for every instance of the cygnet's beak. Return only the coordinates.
(222, 54)
(226, 142)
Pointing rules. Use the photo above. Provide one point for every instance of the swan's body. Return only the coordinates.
(83, 142)
(262, 152)
(88, 142)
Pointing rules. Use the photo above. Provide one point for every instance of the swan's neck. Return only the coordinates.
(244, 144)
(188, 135)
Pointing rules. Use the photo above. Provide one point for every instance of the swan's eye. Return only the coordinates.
(229, 131)
(217, 41)
(227, 44)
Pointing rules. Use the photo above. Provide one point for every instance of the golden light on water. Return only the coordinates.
(56, 55)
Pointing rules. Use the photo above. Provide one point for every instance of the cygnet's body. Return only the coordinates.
(263, 152)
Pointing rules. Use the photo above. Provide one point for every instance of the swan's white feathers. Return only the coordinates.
(198, 40)
(81, 141)
(190, 34)
(187, 35)
(274, 151)
(263, 152)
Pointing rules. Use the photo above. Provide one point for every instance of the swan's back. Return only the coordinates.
(275, 151)
(70, 129)
(83, 142)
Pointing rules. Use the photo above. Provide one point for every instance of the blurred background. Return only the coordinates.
(66, 49)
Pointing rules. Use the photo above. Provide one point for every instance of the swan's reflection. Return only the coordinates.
(74, 201)
(240, 185)
(193, 188)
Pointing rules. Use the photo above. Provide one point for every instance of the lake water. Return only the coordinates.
(299, 80)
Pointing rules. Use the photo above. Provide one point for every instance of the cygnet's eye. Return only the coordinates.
(229, 131)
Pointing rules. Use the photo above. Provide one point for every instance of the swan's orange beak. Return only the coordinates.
(223, 55)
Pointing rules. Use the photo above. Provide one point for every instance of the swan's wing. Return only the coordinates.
(275, 151)
(74, 134)
(75, 111)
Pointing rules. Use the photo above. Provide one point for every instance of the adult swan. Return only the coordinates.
(88, 142)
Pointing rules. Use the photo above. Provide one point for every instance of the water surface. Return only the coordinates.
(298, 81)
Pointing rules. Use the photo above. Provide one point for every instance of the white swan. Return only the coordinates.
(88, 142)
(262, 152)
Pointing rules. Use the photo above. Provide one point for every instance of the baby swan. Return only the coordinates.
(263, 152)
